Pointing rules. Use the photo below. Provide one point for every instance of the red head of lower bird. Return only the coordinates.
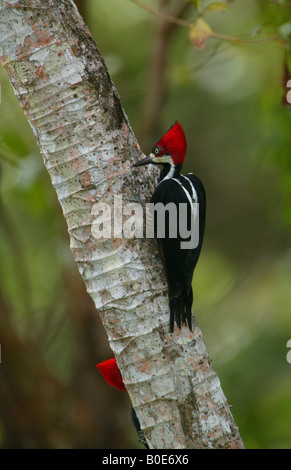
(111, 373)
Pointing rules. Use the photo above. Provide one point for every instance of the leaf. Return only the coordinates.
(216, 6)
(199, 32)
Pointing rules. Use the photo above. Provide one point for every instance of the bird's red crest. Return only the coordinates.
(174, 142)
(111, 373)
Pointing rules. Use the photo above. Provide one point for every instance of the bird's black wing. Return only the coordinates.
(178, 263)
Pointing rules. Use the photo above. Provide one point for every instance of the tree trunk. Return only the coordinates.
(88, 147)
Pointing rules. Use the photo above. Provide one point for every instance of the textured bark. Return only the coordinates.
(88, 147)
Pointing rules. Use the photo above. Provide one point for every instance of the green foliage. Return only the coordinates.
(285, 30)
(216, 6)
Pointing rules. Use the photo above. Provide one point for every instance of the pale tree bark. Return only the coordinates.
(88, 147)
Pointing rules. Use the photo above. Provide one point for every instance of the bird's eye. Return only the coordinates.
(156, 151)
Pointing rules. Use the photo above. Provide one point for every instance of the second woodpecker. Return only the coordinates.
(173, 187)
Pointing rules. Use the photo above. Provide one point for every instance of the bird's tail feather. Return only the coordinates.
(180, 309)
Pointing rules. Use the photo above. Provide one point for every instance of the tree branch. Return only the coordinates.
(157, 87)
(63, 86)
(163, 15)
(245, 39)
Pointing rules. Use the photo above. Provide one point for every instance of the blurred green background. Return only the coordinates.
(229, 99)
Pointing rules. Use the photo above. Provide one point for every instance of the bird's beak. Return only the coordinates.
(144, 161)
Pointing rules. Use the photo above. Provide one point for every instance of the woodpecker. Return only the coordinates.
(111, 373)
(173, 187)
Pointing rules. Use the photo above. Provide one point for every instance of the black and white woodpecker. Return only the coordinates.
(173, 187)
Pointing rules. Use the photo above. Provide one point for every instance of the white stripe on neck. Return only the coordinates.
(189, 197)
(194, 193)
(170, 173)
(166, 159)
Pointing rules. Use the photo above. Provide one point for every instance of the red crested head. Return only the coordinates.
(111, 373)
(172, 143)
